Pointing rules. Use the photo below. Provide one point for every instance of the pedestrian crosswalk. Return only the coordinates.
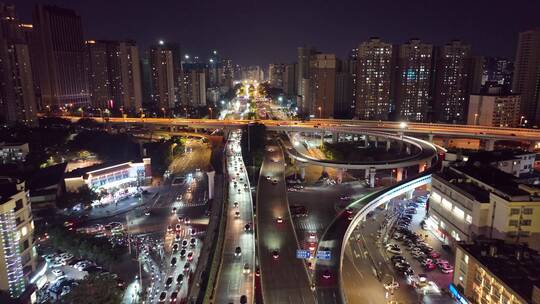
(304, 224)
(192, 203)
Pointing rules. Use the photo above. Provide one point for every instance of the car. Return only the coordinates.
(187, 220)
(274, 182)
(168, 283)
(237, 251)
(235, 204)
(173, 211)
(440, 261)
(173, 262)
(434, 254)
(184, 243)
(180, 279)
(247, 227)
(430, 266)
(183, 253)
(192, 242)
(237, 214)
(257, 272)
(279, 220)
(147, 212)
(312, 236)
(391, 285)
(190, 256)
(326, 274)
(268, 177)
(57, 272)
(178, 227)
(397, 258)
(246, 269)
(162, 297)
(177, 237)
(174, 295)
(424, 262)
(187, 267)
(394, 250)
(447, 268)
(169, 229)
(275, 254)
(175, 247)
(243, 299)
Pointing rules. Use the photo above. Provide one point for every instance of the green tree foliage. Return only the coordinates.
(84, 245)
(109, 147)
(84, 196)
(97, 288)
(160, 154)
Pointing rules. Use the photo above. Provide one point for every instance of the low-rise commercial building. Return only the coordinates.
(492, 271)
(494, 109)
(107, 176)
(17, 253)
(470, 200)
(13, 152)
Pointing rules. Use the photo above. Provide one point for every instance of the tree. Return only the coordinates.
(84, 196)
(95, 288)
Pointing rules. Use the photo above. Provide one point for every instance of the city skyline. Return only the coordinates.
(202, 27)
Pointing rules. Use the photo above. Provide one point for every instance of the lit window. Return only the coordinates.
(446, 204)
(459, 213)
(468, 219)
(24, 231)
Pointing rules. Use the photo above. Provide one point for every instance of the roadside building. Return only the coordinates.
(17, 253)
(100, 177)
(474, 200)
(492, 271)
(13, 152)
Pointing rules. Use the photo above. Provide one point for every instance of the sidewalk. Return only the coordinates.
(124, 206)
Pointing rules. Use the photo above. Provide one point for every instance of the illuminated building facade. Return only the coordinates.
(17, 253)
(374, 76)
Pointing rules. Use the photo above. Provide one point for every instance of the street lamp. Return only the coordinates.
(210, 109)
(185, 111)
(82, 112)
(521, 120)
(475, 118)
(163, 110)
(320, 112)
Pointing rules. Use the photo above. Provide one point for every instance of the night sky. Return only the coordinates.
(262, 32)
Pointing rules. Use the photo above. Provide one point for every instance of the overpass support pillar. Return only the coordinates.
(388, 145)
(532, 146)
(410, 194)
(302, 172)
(399, 174)
(366, 141)
(422, 167)
(340, 173)
(408, 149)
(490, 145)
(376, 142)
(335, 137)
(430, 138)
(372, 177)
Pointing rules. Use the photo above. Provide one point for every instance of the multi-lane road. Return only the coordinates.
(284, 278)
(237, 271)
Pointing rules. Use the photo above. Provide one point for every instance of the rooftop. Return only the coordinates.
(106, 167)
(517, 266)
(48, 176)
(496, 156)
(470, 189)
(502, 182)
(8, 188)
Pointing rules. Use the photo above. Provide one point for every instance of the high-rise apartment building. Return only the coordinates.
(276, 74)
(352, 68)
(413, 80)
(322, 85)
(226, 73)
(17, 96)
(289, 80)
(60, 52)
(17, 253)
(343, 103)
(526, 79)
(454, 81)
(114, 75)
(194, 84)
(254, 72)
(497, 71)
(494, 108)
(163, 77)
(305, 54)
(374, 76)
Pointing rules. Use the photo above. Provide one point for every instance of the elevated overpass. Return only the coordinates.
(340, 230)
(412, 129)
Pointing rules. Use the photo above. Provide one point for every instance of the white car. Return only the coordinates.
(57, 272)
